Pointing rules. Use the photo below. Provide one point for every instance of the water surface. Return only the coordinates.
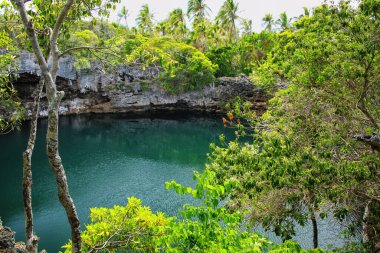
(109, 158)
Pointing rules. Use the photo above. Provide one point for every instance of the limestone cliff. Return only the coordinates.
(128, 89)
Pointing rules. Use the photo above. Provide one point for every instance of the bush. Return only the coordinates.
(184, 67)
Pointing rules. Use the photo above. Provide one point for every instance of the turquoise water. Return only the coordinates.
(107, 159)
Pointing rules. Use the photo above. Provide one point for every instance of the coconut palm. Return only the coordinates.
(216, 33)
(306, 12)
(247, 26)
(123, 14)
(228, 15)
(268, 22)
(162, 28)
(176, 17)
(177, 22)
(145, 19)
(199, 35)
(197, 10)
(284, 22)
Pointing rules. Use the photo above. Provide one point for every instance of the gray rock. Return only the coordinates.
(66, 68)
(28, 64)
(372, 140)
(7, 238)
(129, 88)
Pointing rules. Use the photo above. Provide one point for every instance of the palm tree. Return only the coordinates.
(306, 13)
(176, 17)
(199, 35)
(268, 22)
(197, 10)
(145, 19)
(247, 26)
(228, 16)
(177, 22)
(284, 22)
(216, 33)
(162, 28)
(123, 14)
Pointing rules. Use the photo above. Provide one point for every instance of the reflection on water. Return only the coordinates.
(109, 158)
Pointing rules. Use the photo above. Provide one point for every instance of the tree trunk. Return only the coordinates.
(59, 172)
(366, 221)
(31, 238)
(315, 230)
(54, 98)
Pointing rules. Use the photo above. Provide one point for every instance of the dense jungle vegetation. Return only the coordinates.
(314, 152)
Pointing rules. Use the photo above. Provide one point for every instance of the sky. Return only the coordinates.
(250, 9)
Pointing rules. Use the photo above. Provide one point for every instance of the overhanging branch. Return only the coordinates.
(79, 48)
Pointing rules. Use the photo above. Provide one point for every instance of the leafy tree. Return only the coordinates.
(132, 227)
(304, 161)
(210, 227)
(10, 24)
(227, 58)
(207, 227)
(54, 17)
(10, 106)
(185, 67)
(145, 20)
(242, 57)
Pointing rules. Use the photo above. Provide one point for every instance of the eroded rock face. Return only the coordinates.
(209, 99)
(7, 238)
(8, 243)
(128, 88)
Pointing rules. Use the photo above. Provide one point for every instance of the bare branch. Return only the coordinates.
(32, 35)
(79, 48)
(31, 238)
(54, 37)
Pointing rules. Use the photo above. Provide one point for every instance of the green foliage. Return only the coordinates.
(304, 160)
(228, 15)
(185, 67)
(226, 58)
(85, 38)
(292, 247)
(82, 63)
(209, 227)
(10, 106)
(122, 229)
(145, 20)
(242, 57)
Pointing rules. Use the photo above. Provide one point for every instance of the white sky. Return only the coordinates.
(251, 9)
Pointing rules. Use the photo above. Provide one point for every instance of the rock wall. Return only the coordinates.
(8, 243)
(129, 89)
